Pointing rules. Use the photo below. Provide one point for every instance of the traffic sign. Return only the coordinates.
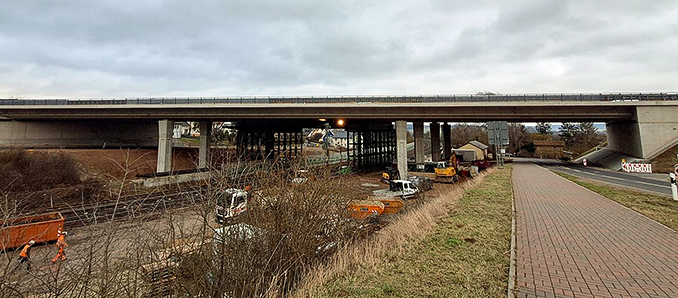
(497, 132)
(675, 169)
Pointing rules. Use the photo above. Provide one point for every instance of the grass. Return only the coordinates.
(661, 209)
(465, 255)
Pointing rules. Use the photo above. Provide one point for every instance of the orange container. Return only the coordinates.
(365, 208)
(391, 204)
(39, 228)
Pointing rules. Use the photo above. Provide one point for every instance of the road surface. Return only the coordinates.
(654, 183)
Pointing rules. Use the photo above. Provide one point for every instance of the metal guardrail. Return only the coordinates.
(348, 99)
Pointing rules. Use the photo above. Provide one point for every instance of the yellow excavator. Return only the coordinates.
(446, 171)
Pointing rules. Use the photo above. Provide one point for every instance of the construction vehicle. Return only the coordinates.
(404, 189)
(423, 183)
(389, 174)
(231, 203)
(446, 171)
(40, 228)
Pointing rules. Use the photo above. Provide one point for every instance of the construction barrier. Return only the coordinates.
(637, 167)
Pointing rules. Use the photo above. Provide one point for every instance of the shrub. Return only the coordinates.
(23, 171)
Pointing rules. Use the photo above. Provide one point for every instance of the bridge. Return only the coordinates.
(641, 125)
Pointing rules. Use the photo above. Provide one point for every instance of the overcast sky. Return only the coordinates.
(129, 48)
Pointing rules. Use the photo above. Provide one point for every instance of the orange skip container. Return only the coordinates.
(39, 228)
(391, 204)
(365, 208)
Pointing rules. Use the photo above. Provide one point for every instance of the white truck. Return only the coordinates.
(398, 188)
(230, 203)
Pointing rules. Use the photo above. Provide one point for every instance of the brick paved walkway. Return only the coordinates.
(572, 242)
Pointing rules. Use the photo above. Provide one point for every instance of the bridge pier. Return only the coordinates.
(401, 147)
(447, 140)
(205, 144)
(418, 142)
(165, 129)
(434, 130)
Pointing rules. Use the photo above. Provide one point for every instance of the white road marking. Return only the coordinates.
(622, 179)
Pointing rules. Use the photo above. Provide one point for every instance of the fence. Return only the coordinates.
(348, 99)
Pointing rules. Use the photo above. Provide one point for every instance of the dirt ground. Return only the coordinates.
(113, 163)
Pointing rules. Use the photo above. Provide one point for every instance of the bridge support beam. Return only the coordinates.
(165, 129)
(418, 142)
(434, 130)
(205, 144)
(447, 140)
(401, 147)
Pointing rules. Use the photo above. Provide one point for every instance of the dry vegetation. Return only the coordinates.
(297, 237)
(293, 229)
(465, 255)
(23, 171)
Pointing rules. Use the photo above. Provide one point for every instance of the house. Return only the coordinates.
(478, 147)
(340, 138)
(549, 149)
(181, 129)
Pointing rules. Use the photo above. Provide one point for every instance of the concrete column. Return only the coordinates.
(401, 147)
(165, 129)
(435, 141)
(205, 143)
(418, 142)
(447, 141)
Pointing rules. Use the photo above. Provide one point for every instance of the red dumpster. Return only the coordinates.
(17, 231)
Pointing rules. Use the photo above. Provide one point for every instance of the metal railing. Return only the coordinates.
(609, 97)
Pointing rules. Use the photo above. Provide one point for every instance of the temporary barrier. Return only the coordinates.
(637, 167)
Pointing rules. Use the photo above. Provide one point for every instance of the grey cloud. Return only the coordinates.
(215, 48)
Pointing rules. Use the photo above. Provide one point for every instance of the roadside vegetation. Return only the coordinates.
(465, 255)
(21, 170)
(659, 208)
(286, 231)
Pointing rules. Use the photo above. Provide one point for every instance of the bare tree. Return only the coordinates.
(544, 128)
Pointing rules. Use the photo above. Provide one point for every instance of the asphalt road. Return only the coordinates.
(654, 183)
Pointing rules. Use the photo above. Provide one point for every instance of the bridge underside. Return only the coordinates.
(634, 129)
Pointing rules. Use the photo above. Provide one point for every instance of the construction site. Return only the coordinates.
(254, 222)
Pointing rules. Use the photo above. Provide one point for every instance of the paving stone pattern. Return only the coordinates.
(572, 242)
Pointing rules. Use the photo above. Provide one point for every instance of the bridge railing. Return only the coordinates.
(611, 97)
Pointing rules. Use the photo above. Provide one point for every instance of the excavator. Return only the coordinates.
(446, 171)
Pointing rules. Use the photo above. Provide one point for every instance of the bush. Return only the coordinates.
(24, 171)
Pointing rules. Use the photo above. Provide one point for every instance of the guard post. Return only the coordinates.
(674, 188)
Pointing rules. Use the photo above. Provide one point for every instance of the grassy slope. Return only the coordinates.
(661, 209)
(467, 255)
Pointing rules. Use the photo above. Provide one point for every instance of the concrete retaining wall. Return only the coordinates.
(78, 134)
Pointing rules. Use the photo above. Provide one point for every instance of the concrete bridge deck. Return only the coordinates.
(473, 108)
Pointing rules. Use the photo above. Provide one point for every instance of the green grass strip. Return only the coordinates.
(661, 209)
(467, 255)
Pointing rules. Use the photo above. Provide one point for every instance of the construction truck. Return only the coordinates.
(398, 188)
(231, 203)
(446, 171)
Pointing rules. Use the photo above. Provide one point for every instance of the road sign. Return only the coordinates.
(497, 132)
(675, 169)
